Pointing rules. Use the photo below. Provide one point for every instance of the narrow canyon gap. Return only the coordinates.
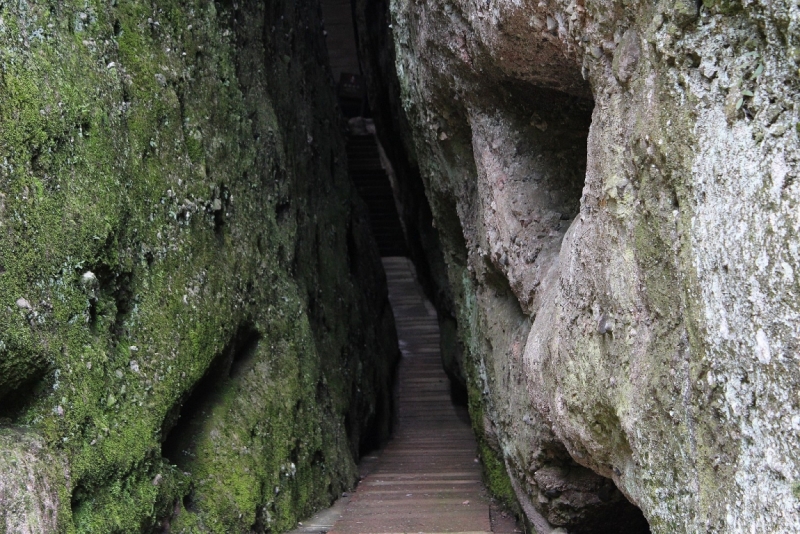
(599, 198)
(650, 335)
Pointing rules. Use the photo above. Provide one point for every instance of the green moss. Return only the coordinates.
(138, 220)
(496, 477)
(127, 503)
(256, 443)
(195, 149)
(726, 7)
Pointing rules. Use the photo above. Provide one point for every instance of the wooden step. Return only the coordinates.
(427, 479)
(373, 186)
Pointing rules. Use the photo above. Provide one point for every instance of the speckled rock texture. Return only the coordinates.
(614, 188)
(194, 329)
(31, 485)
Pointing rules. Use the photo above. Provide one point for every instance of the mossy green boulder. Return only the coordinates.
(194, 328)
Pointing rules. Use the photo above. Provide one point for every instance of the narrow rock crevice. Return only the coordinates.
(506, 163)
(184, 423)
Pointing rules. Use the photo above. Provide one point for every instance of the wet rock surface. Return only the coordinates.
(613, 192)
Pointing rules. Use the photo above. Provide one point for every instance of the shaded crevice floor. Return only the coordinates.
(427, 479)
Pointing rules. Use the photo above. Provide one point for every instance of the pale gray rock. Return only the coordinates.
(33, 480)
(627, 56)
(660, 205)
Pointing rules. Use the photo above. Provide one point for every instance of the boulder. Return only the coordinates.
(614, 188)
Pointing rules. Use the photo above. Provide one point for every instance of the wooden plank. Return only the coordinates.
(427, 479)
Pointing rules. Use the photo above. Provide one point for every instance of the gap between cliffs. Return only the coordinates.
(523, 151)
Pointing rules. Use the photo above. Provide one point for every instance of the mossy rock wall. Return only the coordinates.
(194, 331)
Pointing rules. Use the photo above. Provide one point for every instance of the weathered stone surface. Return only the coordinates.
(193, 319)
(614, 186)
(33, 481)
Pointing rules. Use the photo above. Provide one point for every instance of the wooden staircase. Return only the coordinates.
(373, 186)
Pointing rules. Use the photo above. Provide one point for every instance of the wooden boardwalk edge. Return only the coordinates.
(427, 480)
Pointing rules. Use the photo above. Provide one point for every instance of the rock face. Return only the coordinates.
(194, 330)
(33, 484)
(377, 54)
(614, 190)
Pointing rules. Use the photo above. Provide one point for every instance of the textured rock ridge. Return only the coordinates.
(377, 56)
(194, 329)
(614, 189)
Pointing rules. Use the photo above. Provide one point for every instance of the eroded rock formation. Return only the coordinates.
(613, 187)
(194, 331)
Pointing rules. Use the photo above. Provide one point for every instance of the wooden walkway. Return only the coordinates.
(427, 479)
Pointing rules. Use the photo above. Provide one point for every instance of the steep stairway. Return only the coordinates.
(373, 186)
